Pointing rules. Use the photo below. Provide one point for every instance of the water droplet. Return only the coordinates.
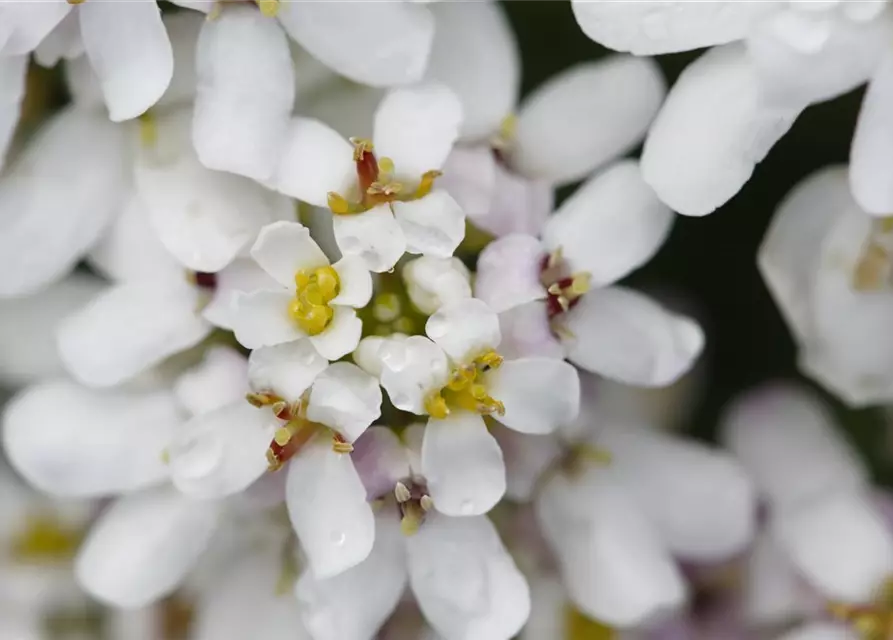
(338, 538)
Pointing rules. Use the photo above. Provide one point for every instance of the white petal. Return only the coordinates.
(183, 28)
(774, 593)
(245, 93)
(465, 581)
(130, 52)
(416, 127)
(585, 117)
(410, 369)
(12, 90)
(328, 509)
(469, 176)
(785, 438)
(347, 107)
(611, 225)
(701, 501)
(129, 328)
(520, 204)
(508, 272)
(286, 369)
(341, 336)
(355, 604)
(840, 544)
(539, 394)
(433, 225)
(527, 459)
(626, 336)
(475, 55)
(433, 282)
(221, 452)
(219, 379)
(373, 236)
(28, 329)
(284, 248)
(464, 329)
(315, 160)
(108, 441)
(143, 546)
(240, 275)
(37, 245)
(377, 44)
(346, 399)
(658, 26)
(260, 319)
(29, 24)
(355, 288)
(711, 133)
(526, 332)
(63, 42)
(820, 631)
(871, 158)
(463, 465)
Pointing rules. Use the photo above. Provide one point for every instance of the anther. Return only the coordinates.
(269, 8)
(426, 502)
(402, 493)
(340, 445)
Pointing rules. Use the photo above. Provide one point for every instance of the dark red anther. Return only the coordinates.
(206, 280)
(367, 170)
(553, 300)
(279, 454)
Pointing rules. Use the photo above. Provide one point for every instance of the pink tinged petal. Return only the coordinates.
(774, 593)
(374, 236)
(63, 42)
(287, 370)
(700, 500)
(625, 336)
(527, 457)
(355, 288)
(284, 248)
(611, 225)
(341, 336)
(37, 245)
(245, 93)
(143, 546)
(786, 439)
(526, 332)
(711, 132)
(260, 319)
(219, 379)
(585, 117)
(433, 225)
(416, 127)
(327, 505)
(433, 282)
(356, 603)
(465, 581)
(381, 460)
(475, 55)
(240, 275)
(129, 328)
(508, 272)
(463, 465)
(12, 90)
(221, 452)
(345, 398)
(469, 176)
(108, 442)
(871, 158)
(840, 544)
(520, 204)
(539, 394)
(464, 329)
(29, 24)
(315, 160)
(337, 34)
(411, 368)
(658, 26)
(130, 51)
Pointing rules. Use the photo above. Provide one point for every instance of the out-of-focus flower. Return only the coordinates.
(12, 91)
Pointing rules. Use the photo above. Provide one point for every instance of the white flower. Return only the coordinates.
(313, 299)
(554, 295)
(433, 282)
(827, 264)
(12, 90)
(381, 192)
(729, 107)
(456, 377)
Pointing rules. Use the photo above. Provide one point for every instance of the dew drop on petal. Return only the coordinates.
(338, 538)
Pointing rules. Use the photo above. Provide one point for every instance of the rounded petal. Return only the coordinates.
(464, 329)
(539, 394)
(711, 132)
(341, 336)
(625, 336)
(130, 52)
(284, 248)
(129, 328)
(143, 546)
(526, 332)
(465, 581)
(585, 117)
(373, 235)
(416, 127)
(346, 399)
(355, 283)
(475, 55)
(433, 282)
(508, 272)
(410, 369)
(242, 275)
(37, 245)
(108, 442)
(12, 90)
(463, 465)
(611, 225)
(433, 225)
(221, 452)
(376, 44)
(658, 26)
(29, 24)
(260, 319)
(774, 593)
(219, 379)
(245, 93)
(327, 505)
(287, 370)
(871, 158)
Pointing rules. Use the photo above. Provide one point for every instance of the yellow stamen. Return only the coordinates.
(427, 184)
(314, 290)
(45, 538)
(269, 8)
(338, 204)
(402, 493)
(386, 166)
(872, 269)
(340, 446)
(361, 146)
(580, 627)
(148, 128)
(465, 389)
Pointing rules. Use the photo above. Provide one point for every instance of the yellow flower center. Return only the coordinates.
(580, 627)
(314, 290)
(467, 390)
(873, 621)
(45, 539)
